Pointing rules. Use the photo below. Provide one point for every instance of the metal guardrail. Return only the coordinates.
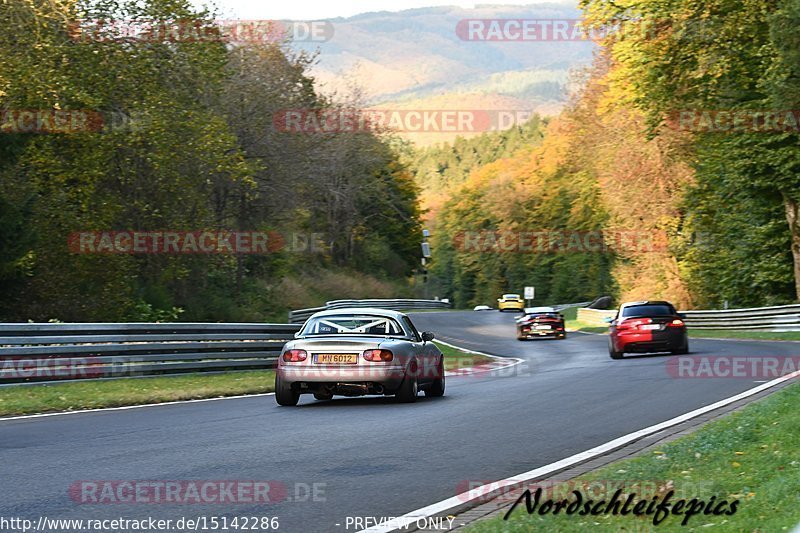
(561, 307)
(301, 315)
(776, 318)
(32, 353)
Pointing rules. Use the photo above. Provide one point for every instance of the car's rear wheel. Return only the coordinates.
(436, 389)
(407, 393)
(613, 354)
(284, 394)
(682, 350)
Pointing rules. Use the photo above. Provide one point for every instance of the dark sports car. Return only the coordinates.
(642, 327)
(541, 322)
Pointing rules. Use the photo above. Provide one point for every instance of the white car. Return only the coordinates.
(355, 352)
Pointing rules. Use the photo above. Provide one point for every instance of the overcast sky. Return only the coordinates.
(325, 9)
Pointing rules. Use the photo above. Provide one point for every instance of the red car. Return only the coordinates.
(642, 327)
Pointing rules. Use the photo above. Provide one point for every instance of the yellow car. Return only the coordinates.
(510, 301)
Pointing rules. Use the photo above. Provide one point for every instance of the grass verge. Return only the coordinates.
(120, 392)
(455, 358)
(75, 396)
(751, 455)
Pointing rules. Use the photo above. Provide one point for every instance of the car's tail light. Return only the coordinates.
(633, 323)
(378, 355)
(677, 323)
(294, 356)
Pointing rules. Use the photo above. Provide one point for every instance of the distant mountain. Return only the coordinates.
(416, 59)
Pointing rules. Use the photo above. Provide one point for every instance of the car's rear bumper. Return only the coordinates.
(388, 375)
(541, 333)
(663, 341)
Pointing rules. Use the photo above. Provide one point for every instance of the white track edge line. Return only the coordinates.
(403, 523)
(512, 361)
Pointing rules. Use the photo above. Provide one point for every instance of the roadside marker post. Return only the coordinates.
(529, 295)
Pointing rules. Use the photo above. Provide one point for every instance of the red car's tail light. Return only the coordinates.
(633, 323)
(294, 356)
(677, 323)
(378, 355)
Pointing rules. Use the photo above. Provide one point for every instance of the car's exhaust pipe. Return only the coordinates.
(352, 389)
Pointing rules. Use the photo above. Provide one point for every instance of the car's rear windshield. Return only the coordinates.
(352, 325)
(511, 296)
(648, 310)
(539, 310)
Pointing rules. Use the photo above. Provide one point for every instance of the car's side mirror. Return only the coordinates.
(608, 320)
(682, 315)
(427, 336)
(296, 334)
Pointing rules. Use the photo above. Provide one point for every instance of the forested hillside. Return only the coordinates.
(185, 143)
(414, 55)
(720, 202)
(441, 169)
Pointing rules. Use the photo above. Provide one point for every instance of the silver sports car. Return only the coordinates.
(353, 352)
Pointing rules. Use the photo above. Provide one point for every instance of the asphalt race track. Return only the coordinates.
(367, 456)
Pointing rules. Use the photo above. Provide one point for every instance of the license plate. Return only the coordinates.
(336, 358)
(543, 327)
(651, 326)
